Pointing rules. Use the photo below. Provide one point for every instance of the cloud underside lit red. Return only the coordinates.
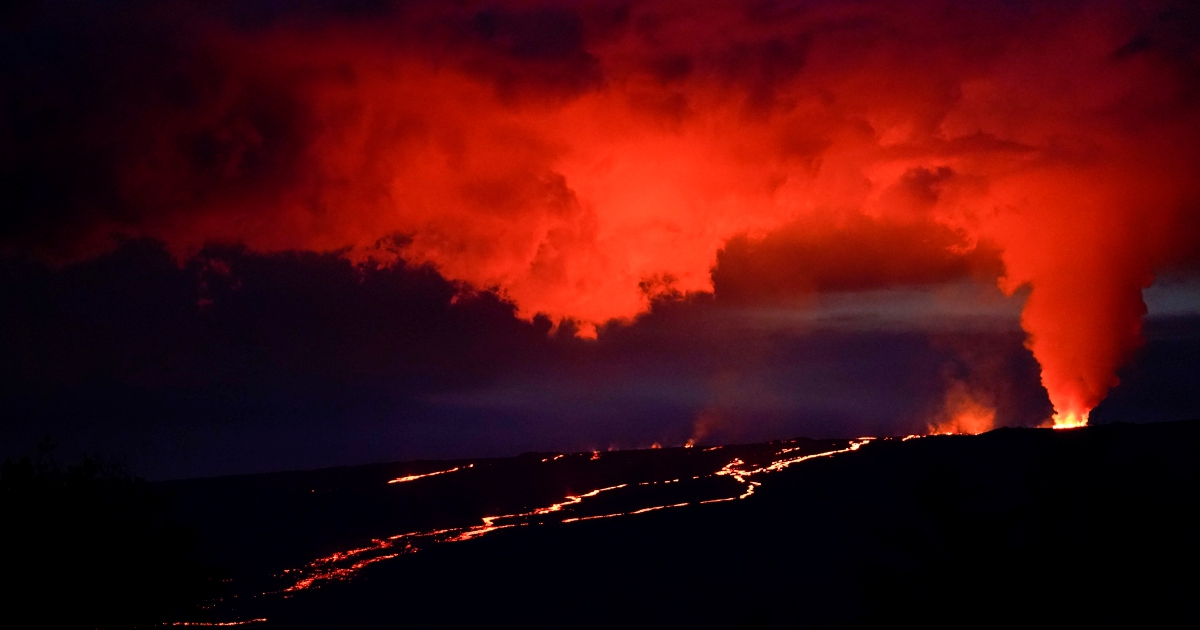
(582, 157)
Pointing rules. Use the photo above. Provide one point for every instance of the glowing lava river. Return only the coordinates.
(340, 516)
(345, 564)
(795, 533)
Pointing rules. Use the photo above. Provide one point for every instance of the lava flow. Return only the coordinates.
(432, 474)
(346, 564)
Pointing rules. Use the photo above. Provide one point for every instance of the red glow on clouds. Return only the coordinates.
(583, 171)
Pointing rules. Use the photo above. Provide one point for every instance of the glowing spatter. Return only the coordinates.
(345, 564)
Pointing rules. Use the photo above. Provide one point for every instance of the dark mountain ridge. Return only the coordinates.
(1015, 526)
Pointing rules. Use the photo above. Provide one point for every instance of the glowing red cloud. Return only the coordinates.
(567, 156)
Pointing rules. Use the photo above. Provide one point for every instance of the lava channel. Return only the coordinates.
(345, 564)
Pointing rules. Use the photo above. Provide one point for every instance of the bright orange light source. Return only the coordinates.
(1069, 420)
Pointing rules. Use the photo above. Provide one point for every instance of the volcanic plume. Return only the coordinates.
(582, 157)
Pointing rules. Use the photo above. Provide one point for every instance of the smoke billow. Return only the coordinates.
(567, 153)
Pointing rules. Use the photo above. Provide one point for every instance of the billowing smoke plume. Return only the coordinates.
(576, 155)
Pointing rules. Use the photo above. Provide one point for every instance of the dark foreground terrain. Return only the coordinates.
(1014, 527)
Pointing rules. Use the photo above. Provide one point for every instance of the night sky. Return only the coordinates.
(256, 236)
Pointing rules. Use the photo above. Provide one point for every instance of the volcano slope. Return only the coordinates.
(1016, 526)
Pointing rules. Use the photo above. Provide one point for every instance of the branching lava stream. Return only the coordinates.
(345, 564)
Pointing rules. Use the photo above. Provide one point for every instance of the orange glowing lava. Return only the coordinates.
(432, 474)
(1069, 420)
(346, 564)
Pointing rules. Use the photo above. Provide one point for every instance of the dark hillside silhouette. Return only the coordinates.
(91, 545)
(1014, 527)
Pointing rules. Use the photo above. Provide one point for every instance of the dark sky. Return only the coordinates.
(253, 236)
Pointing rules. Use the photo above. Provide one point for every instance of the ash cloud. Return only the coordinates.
(856, 254)
(570, 154)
